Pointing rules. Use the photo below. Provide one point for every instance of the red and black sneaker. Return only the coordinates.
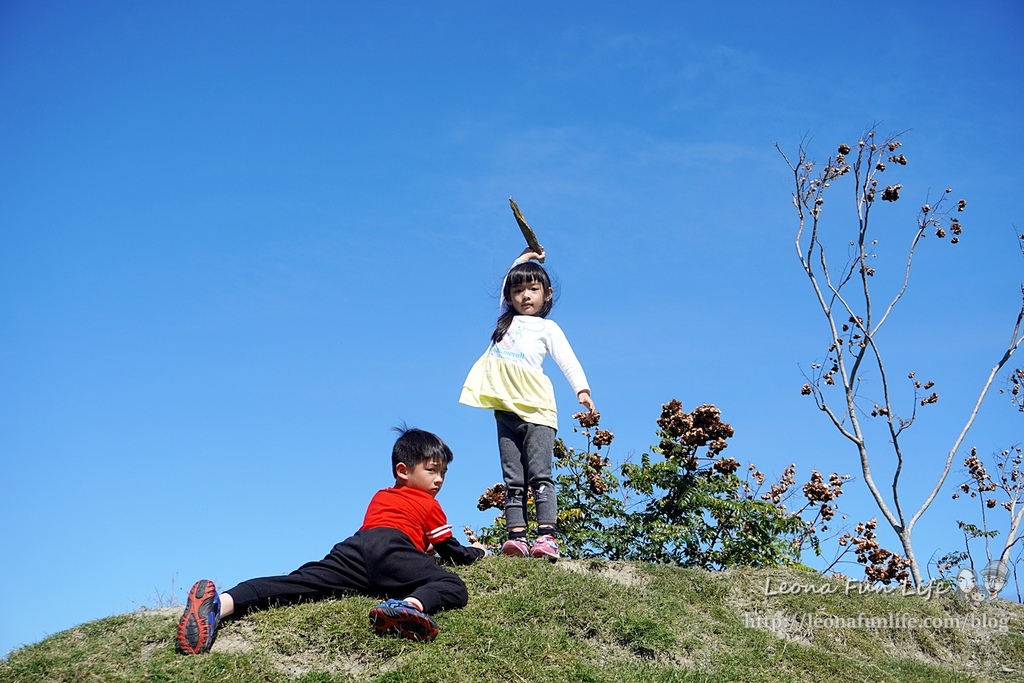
(402, 619)
(197, 627)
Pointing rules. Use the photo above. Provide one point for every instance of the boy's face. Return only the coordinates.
(427, 476)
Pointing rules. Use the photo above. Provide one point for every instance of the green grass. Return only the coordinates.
(570, 622)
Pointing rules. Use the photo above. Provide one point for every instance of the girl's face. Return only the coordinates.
(529, 297)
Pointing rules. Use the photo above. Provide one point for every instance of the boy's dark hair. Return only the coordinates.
(521, 274)
(415, 446)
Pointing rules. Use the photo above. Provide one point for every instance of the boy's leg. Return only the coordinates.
(442, 590)
(398, 569)
(341, 572)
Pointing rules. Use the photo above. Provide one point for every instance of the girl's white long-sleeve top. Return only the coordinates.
(509, 376)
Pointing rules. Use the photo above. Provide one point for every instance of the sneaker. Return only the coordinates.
(197, 627)
(514, 548)
(400, 618)
(546, 547)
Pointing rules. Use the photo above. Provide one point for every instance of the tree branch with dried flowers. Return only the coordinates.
(847, 302)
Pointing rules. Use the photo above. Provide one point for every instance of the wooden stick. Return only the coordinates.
(528, 233)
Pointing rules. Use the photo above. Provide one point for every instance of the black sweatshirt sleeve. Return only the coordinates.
(453, 552)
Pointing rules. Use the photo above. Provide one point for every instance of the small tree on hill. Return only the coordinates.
(697, 511)
(853, 316)
(683, 503)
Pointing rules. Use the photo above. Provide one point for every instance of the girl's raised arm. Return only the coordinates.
(529, 254)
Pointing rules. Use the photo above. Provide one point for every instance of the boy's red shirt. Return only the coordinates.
(415, 513)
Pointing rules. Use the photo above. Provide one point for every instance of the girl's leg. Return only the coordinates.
(510, 449)
(538, 447)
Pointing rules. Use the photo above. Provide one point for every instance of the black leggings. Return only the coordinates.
(376, 562)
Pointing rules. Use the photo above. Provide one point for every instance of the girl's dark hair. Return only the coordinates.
(417, 445)
(521, 274)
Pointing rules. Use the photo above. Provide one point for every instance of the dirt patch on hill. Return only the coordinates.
(617, 572)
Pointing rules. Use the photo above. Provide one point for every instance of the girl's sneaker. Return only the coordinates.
(546, 547)
(402, 619)
(197, 627)
(514, 548)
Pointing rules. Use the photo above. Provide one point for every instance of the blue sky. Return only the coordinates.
(239, 241)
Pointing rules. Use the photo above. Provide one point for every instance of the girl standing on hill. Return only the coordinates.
(509, 380)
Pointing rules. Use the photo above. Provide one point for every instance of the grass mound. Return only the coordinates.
(569, 622)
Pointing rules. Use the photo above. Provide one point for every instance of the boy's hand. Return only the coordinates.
(585, 400)
(478, 544)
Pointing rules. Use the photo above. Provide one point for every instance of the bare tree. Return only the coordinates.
(854, 316)
(1008, 485)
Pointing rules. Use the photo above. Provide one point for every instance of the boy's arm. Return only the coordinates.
(453, 552)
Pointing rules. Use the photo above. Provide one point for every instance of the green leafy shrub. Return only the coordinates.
(683, 504)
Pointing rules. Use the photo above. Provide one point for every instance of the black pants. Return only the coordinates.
(376, 562)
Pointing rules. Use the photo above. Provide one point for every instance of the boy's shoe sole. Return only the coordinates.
(402, 620)
(197, 627)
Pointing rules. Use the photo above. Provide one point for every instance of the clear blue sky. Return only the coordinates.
(239, 241)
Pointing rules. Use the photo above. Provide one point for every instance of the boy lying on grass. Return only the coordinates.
(387, 557)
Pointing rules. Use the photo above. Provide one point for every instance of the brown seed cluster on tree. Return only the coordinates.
(702, 427)
(880, 565)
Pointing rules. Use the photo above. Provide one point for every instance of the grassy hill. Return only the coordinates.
(573, 621)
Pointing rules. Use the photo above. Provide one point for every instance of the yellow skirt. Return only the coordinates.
(496, 384)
